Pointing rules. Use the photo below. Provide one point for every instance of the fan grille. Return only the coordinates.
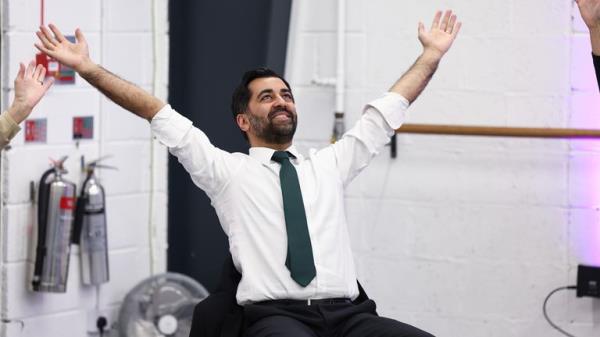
(168, 294)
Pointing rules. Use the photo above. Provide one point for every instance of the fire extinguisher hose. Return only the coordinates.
(43, 196)
(79, 212)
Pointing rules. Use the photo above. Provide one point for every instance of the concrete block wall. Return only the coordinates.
(120, 36)
(466, 236)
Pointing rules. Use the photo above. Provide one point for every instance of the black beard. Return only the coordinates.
(269, 132)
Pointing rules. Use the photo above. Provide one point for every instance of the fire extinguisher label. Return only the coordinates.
(67, 203)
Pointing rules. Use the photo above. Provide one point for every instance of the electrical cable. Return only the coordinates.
(101, 152)
(42, 10)
(546, 312)
(152, 227)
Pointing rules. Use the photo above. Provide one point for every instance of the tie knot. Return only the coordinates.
(280, 156)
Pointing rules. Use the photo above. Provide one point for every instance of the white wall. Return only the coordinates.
(119, 33)
(466, 236)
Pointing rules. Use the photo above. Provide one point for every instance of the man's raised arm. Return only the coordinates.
(590, 12)
(76, 55)
(436, 42)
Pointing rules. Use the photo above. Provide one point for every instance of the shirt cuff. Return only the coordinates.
(393, 107)
(8, 126)
(169, 127)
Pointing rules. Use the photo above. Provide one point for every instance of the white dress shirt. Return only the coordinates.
(246, 194)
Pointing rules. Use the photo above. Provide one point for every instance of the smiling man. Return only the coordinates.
(283, 212)
(271, 115)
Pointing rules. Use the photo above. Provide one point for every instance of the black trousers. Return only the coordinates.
(342, 319)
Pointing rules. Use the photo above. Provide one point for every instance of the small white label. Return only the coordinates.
(52, 66)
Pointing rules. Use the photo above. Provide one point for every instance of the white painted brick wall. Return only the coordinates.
(466, 236)
(120, 37)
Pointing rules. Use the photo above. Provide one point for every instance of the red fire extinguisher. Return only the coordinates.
(56, 207)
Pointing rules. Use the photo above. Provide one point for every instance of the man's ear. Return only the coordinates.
(242, 122)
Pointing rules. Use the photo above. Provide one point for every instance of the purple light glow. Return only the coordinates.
(584, 182)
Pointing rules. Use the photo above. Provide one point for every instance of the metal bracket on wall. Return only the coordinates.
(32, 191)
(393, 147)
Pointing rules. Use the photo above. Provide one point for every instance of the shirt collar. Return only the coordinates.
(264, 154)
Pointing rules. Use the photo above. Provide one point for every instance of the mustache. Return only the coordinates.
(278, 110)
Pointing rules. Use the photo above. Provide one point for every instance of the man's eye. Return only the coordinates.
(288, 96)
(265, 98)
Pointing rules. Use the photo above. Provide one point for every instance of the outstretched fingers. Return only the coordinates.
(21, 73)
(47, 84)
(421, 28)
(49, 36)
(436, 20)
(43, 74)
(38, 72)
(59, 36)
(456, 29)
(79, 36)
(451, 24)
(44, 49)
(445, 20)
(30, 69)
(45, 42)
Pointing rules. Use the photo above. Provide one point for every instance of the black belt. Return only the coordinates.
(306, 302)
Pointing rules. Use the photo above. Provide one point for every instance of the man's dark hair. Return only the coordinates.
(241, 94)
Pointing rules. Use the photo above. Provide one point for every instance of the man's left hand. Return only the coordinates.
(590, 12)
(438, 40)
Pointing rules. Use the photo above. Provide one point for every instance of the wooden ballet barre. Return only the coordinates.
(492, 131)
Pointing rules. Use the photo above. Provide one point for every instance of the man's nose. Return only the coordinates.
(279, 101)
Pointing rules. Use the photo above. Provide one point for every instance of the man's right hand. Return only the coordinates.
(54, 44)
(76, 55)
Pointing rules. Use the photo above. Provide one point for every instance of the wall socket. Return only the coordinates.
(588, 281)
(111, 316)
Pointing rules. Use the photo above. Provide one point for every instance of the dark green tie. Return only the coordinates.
(299, 259)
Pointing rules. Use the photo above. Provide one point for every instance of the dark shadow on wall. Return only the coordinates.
(211, 44)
